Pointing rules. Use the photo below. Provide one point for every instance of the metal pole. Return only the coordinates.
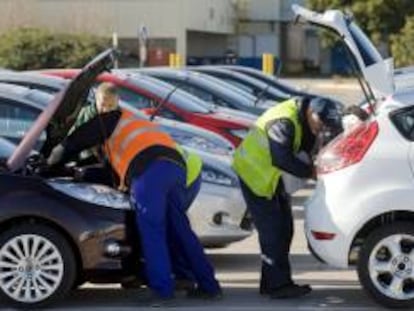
(115, 46)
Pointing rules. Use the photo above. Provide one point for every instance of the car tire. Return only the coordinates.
(386, 265)
(37, 266)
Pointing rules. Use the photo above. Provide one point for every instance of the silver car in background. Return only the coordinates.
(218, 214)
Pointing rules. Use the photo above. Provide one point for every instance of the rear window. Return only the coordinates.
(6, 148)
(179, 98)
(40, 97)
(403, 120)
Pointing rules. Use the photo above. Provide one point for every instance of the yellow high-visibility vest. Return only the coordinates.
(252, 160)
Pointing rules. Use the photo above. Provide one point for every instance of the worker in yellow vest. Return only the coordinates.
(269, 149)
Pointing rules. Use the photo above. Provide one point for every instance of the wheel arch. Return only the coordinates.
(374, 223)
(24, 219)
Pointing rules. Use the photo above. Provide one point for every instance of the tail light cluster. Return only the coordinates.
(348, 149)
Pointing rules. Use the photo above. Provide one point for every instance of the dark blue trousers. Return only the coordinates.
(274, 223)
(180, 262)
(161, 199)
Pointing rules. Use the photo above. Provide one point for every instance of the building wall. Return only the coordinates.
(212, 16)
(258, 28)
(197, 27)
(102, 17)
(259, 10)
(201, 44)
(165, 19)
(286, 12)
(16, 13)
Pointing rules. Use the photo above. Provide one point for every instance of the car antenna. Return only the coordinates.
(261, 94)
(164, 101)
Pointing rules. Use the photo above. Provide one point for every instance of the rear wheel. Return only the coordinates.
(386, 265)
(37, 265)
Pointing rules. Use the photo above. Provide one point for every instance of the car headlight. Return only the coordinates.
(200, 143)
(212, 175)
(92, 193)
(242, 133)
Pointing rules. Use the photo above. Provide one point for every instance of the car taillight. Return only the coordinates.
(347, 149)
(323, 236)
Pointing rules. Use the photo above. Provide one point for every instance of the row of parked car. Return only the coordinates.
(207, 113)
(206, 109)
(60, 231)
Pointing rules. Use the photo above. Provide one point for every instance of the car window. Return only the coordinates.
(240, 85)
(368, 52)
(189, 102)
(223, 94)
(40, 97)
(136, 100)
(404, 122)
(168, 114)
(6, 148)
(15, 119)
(180, 99)
(40, 87)
(13, 110)
(194, 90)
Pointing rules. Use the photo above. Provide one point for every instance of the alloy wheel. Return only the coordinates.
(31, 268)
(391, 266)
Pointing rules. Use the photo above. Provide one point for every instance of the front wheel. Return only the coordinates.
(37, 265)
(386, 265)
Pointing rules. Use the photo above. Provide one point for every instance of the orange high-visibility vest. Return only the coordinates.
(130, 137)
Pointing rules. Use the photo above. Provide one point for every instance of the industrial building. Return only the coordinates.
(201, 31)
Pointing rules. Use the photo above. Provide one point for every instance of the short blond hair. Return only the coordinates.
(107, 88)
(106, 97)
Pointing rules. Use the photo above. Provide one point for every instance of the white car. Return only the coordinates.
(362, 210)
(404, 78)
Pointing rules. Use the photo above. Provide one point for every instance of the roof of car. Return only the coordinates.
(24, 95)
(212, 83)
(33, 78)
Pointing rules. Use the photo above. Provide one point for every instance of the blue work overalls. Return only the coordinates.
(161, 198)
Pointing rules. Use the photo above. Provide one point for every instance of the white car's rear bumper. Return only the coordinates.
(320, 222)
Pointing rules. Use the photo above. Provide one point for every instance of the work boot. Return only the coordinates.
(198, 293)
(290, 291)
(131, 282)
(184, 285)
(154, 300)
(163, 302)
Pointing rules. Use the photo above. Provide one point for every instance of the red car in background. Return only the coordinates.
(147, 94)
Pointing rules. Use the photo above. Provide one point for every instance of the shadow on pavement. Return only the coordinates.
(251, 263)
(234, 299)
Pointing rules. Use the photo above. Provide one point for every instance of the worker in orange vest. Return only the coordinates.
(160, 177)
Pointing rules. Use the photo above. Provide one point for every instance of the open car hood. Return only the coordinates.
(62, 111)
(377, 72)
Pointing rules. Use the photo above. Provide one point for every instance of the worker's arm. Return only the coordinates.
(87, 113)
(281, 136)
(88, 135)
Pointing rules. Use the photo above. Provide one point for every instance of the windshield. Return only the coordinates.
(179, 98)
(40, 97)
(368, 52)
(212, 90)
(6, 148)
(224, 87)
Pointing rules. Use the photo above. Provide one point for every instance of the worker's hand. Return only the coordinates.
(56, 155)
(36, 164)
